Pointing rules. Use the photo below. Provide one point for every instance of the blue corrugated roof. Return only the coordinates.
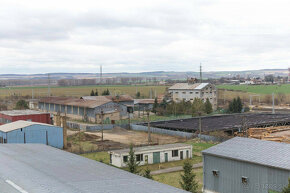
(256, 151)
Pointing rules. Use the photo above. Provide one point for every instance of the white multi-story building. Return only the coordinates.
(188, 92)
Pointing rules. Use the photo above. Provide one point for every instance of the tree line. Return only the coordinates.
(197, 107)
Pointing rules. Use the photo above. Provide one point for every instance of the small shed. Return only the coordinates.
(31, 132)
(244, 165)
(152, 154)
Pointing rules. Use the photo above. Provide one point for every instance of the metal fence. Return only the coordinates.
(161, 131)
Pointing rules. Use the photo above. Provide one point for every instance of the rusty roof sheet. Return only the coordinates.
(120, 98)
(88, 103)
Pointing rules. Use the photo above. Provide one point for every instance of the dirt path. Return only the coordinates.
(175, 169)
(137, 138)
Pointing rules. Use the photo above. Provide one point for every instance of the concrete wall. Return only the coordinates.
(260, 178)
(117, 160)
(161, 131)
(42, 134)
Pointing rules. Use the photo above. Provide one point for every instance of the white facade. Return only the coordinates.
(152, 154)
(188, 92)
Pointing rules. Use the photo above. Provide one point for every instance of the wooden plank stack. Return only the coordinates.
(270, 133)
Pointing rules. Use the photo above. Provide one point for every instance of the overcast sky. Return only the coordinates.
(39, 36)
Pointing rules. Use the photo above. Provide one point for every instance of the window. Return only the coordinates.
(215, 172)
(139, 157)
(183, 92)
(191, 92)
(176, 92)
(174, 153)
(244, 180)
(196, 92)
(125, 158)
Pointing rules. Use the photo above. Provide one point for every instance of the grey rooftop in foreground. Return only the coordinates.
(153, 148)
(42, 169)
(256, 151)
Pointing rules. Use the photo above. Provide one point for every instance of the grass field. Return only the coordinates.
(259, 89)
(78, 91)
(173, 178)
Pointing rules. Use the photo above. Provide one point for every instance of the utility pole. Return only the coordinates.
(273, 103)
(102, 124)
(199, 120)
(48, 86)
(149, 132)
(101, 74)
(200, 73)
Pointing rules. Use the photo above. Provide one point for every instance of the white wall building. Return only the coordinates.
(188, 92)
(152, 154)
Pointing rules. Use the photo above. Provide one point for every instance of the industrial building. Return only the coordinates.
(26, 115)
(31, 132)
(244, 165)
(190, 91)
(152, 154)
(43, 169)
(86, 108)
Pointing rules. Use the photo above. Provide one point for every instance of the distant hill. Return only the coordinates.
(158, 74)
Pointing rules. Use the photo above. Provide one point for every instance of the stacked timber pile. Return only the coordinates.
(278, 134)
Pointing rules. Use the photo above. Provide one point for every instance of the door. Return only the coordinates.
(166, 157)
(181, 155)
(156, 157)
(187, 154)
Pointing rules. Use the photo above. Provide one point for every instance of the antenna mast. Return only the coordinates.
(200, 73)
(101, 74)
(48, 86)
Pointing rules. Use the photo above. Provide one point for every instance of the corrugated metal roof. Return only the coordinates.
(201, 86)
(83, 102)
(18, 125)
(21, 112)
(184, 86)
(43, 169)
(144, 101)
(111, 98)
(153, 148)
(256, 151)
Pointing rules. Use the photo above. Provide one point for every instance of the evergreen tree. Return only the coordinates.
(239, 105)
(155, 106)
(138, 95)
(22, 104)
(132, 163)
(106, 92)
(92, 93)
(236, 105)
(197, 106)
(188, 181)
(287, 189)
(147, 174)
(208, 107)
(96, 93)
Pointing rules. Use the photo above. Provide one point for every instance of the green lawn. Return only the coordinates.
(99, 156)
(173, 178)
(198, 146)
(259, 89)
